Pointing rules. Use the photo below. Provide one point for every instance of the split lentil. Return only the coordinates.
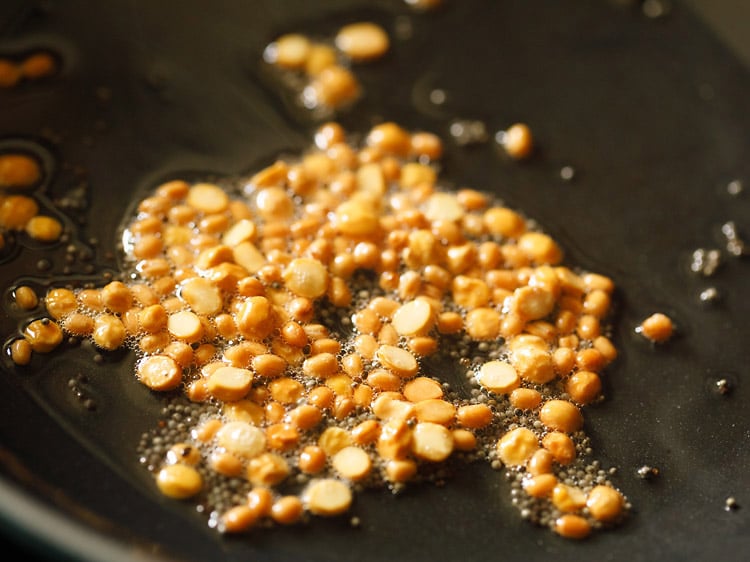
(301, 319)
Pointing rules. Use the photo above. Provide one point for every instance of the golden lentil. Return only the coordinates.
(436, 411)
(604, 503)
(474, 416)
(498, 377)
(540, 462)
(328, 497)
(539, 486)
(352, 463)
(43, 335)
(239, 519)
(16, 211)
(658, 328)
(312, 459)
(464, 440)
(334, 86)
(179, 481)
(78, 324)
(561, 415)
(422, 388)
(432, 442)
(517, 141)
(20, 352)
(362, 41)
(400, 470)
(583, 386)
(568, 498)
(287, 510)
(159, 372)
(25, 297)
(18, 171)
(517, 446)
(572, 526)
(109, 332)
(398, 361)
(260, 500)
(561, 446)
(267, 469)
(319, 58)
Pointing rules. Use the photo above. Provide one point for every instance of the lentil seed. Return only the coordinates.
(517, 446)
(239, 519)
(561, 415)
(20, 352)
(179, 481)
(657, 328)
(25, 297)
(517, 141)
(18, 171)
(312, 460)
(287, 510)
(572, 526)
(363, 41)
(43, 336)
(328, 497)
(604, 503)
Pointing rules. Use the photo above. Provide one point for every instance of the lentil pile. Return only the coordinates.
(301, 322)
(21, 172)
(319, 72)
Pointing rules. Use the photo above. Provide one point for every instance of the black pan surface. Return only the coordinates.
(651, 113)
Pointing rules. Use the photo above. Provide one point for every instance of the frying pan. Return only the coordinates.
(651, 113)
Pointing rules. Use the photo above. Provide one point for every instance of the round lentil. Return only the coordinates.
(658, 328)
(362, 41)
